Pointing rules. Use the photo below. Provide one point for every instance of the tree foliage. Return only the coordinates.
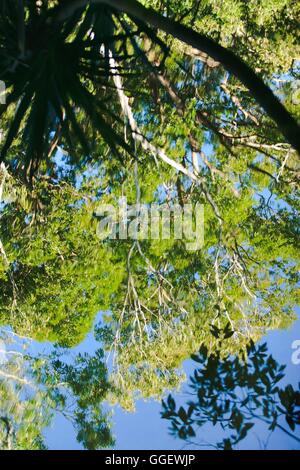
(105, 105)
(235, 394)
(35, 388)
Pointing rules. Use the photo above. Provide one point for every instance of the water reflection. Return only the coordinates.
(159, 301)
(33, 387)
(234, 394)
(230, 394)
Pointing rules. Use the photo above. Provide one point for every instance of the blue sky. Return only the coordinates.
(144, 429)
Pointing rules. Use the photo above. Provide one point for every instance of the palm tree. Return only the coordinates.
(55, 63)
(230, 61)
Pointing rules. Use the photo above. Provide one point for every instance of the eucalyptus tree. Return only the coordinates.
(55, 274)
(146, 107)
(36, 387)
(161, 301)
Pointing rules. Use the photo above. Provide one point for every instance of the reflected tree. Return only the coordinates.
(234, 394)
(160, 299)
(107, 104)
(64, 83)
(34, 388)
(54, 274)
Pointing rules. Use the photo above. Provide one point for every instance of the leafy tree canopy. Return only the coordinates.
(101, 104)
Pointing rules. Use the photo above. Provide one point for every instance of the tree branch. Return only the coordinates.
(261, 92)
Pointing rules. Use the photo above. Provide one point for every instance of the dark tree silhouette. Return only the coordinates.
(228, 59)
(49, 80)
(234, 394)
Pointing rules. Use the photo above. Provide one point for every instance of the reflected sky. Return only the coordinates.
(144, 428)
